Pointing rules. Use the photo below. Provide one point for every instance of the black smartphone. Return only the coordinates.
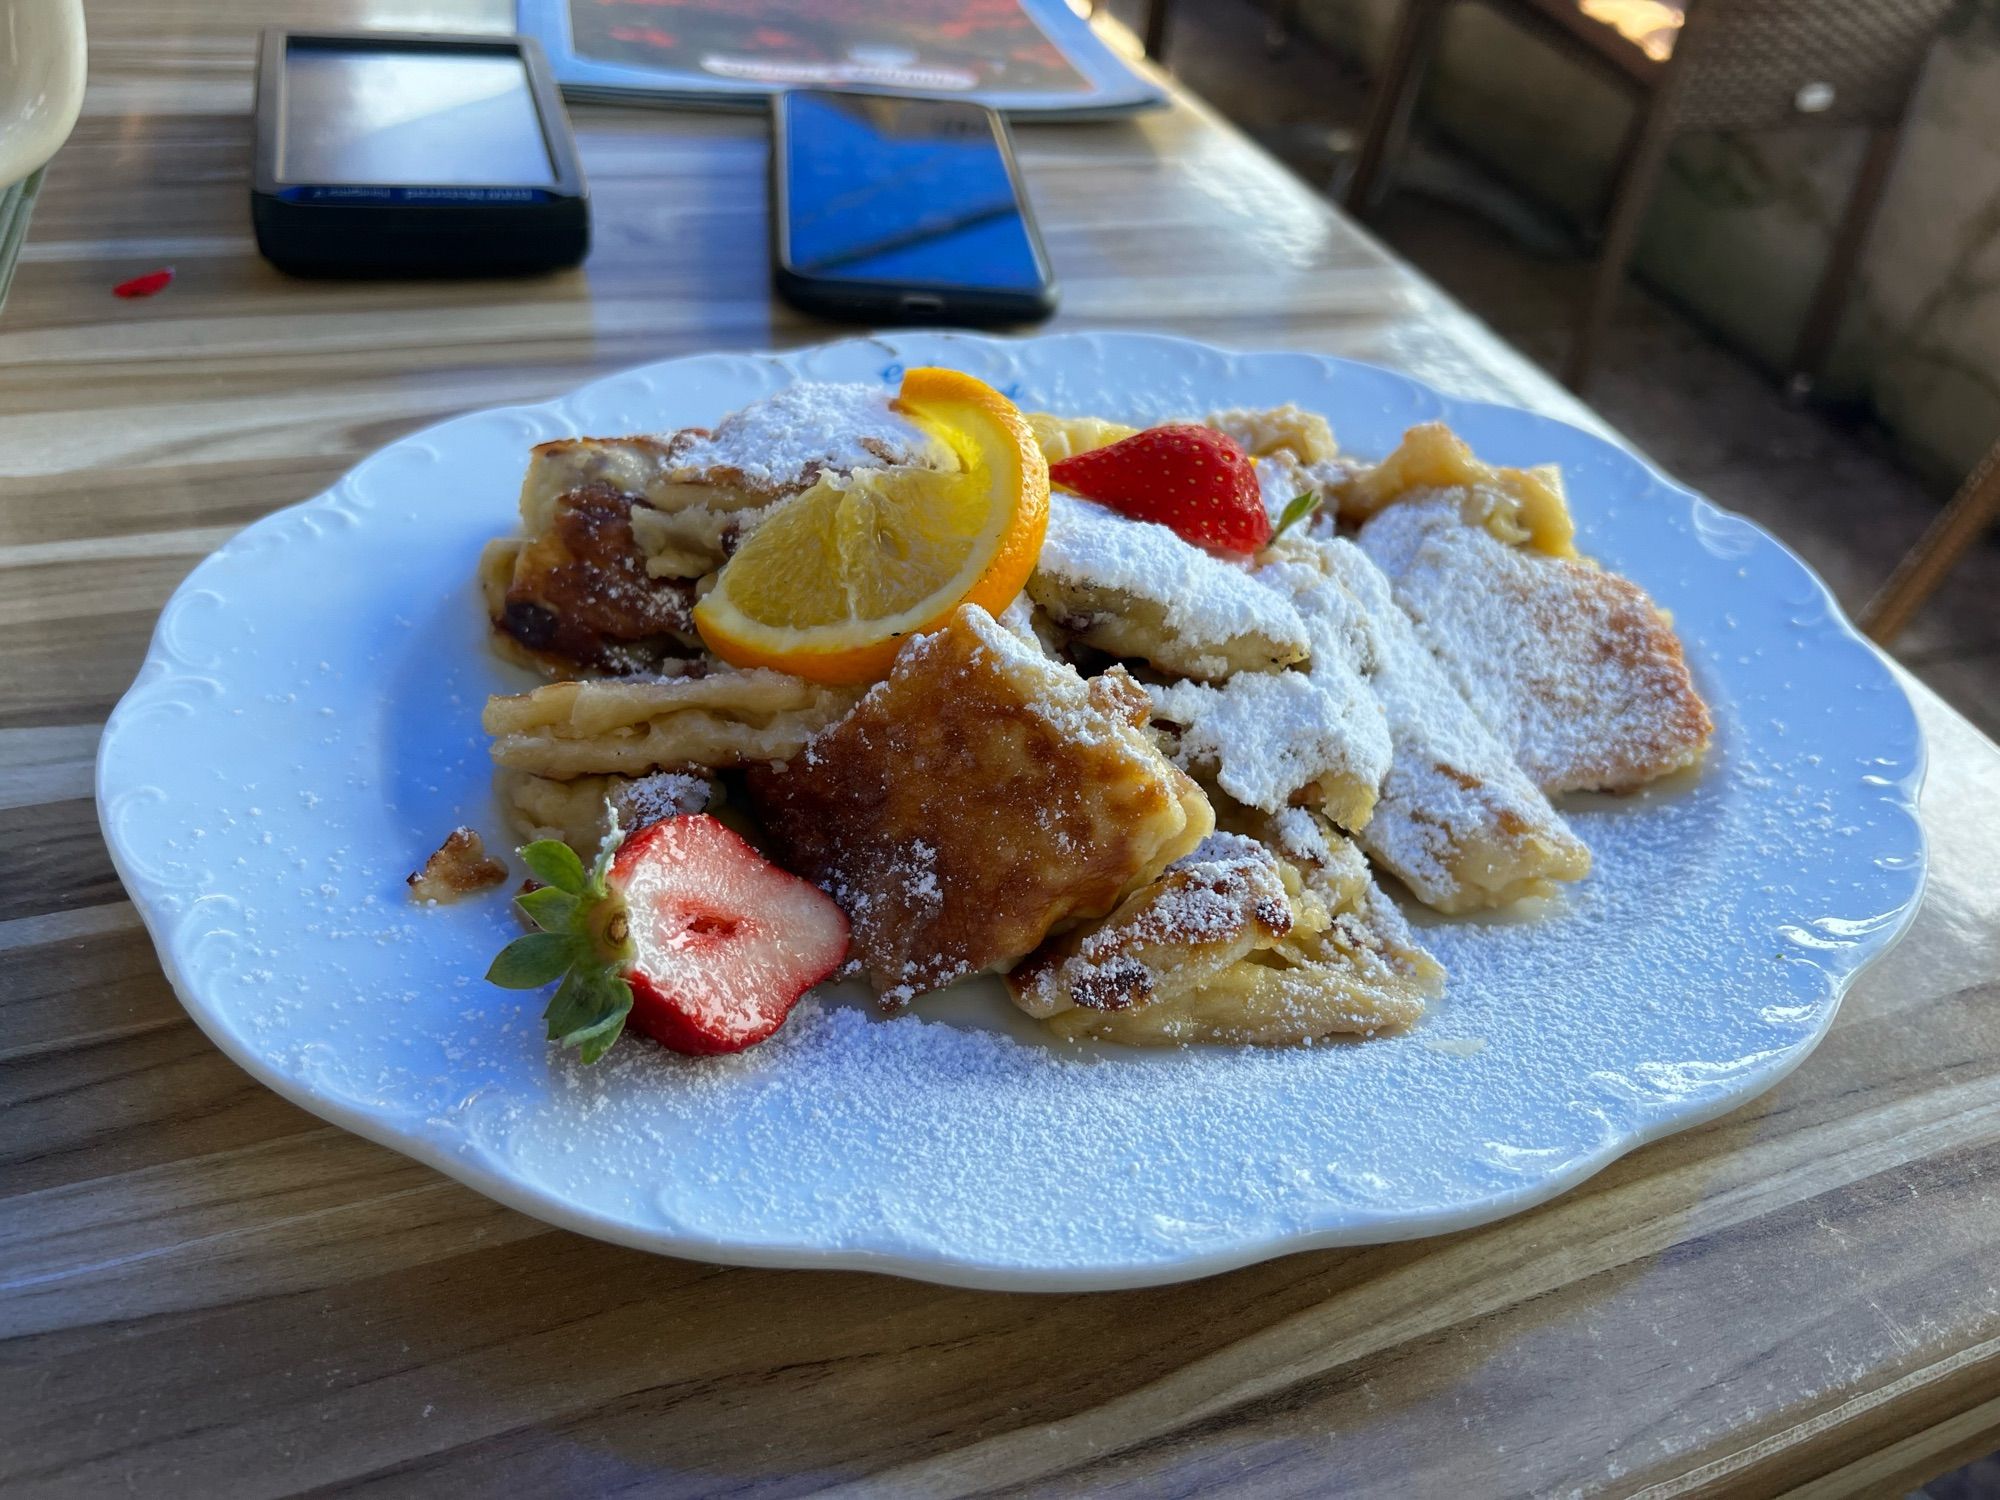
(902, 210)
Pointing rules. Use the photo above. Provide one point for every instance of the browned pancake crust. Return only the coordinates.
(580, 590)
(459, 867)
(978, 798)
(1203, 915)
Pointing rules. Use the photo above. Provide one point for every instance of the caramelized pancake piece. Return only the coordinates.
(631, 465)
(686, 521)
(1574, 668)
(1364, 971)
(615, 531)
(459, 867)
(711, 718)
(1266, 432)
(1275, 943)
(1330, 866)
(580, 593)
(1136, 589)
(1457, 821)
(1361, 974)
(1516, 505)
(978, 798)
(1205, 913)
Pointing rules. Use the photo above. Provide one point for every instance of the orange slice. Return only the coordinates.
(830, 587)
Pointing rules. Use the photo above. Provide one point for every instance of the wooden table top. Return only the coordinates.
(206, 1291)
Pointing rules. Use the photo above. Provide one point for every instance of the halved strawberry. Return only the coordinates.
(682, 931)
(1192, 479)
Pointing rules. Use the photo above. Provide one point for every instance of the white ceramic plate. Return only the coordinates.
(306, 728)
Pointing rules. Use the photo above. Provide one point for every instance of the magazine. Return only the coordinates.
(1031, 57)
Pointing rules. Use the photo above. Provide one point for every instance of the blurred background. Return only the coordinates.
(1880, 118)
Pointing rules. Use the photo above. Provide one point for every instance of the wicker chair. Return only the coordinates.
(1737, 65)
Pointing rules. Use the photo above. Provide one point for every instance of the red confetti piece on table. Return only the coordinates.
(145, 286)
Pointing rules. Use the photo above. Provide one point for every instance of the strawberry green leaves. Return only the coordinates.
(571, 911)
(555, 864)
(550, 909)
(530, 962)
(588, 1012)
(1299, 508)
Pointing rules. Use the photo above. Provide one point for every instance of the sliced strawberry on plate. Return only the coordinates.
(682, 931)
(1192, 479)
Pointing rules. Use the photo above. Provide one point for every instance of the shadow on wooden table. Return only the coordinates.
(554, 1364)
(586, 1366)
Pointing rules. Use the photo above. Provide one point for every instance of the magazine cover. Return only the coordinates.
(1022, 56)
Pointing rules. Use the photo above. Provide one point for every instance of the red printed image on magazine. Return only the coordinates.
(947, 46)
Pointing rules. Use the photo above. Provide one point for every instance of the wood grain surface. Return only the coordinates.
(208, 1292)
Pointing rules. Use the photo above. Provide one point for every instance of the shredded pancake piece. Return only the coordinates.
(1219, 951)
(580, 591)
(783, 443)
(1573, 667)
(1458, 821)
(1274, 739)
(1206, 912)
(1516, 505)
(771, 449)
(978, 798)
(1358, 972)
(1288, 430)
(632, 726)
(1270, 739)
(458, 867)
(1135, 589)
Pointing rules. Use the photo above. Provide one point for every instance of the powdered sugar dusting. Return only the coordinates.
(1452, 787)
(1267, 735)
(664, 794)
(1569, 666)
(1019, 618)
(1207, 897)
(1302, 838)
(1208, 602)
(784, 440)
(1282, 479)
(1222, 878)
